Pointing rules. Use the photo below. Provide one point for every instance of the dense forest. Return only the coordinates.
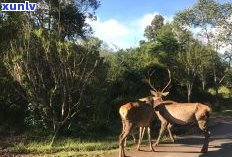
(58, 80)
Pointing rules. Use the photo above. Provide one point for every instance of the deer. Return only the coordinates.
(135, 114)
(171, 112)
(161, 118)
(148, 100)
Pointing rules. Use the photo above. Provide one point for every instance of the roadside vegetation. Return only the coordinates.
(61, 87)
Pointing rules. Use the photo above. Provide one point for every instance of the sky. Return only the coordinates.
(121, 23)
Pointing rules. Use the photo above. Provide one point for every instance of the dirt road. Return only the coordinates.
(189, 146)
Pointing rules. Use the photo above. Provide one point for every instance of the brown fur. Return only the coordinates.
(158, 99)
(182, 113)
(135, 114)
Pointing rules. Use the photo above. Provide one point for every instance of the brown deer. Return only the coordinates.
(170, 112)
(135, 114)
(161, 118)
(149, 100)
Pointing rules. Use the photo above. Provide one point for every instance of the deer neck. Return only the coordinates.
(158, 102)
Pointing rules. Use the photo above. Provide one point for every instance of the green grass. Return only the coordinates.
(63, 147)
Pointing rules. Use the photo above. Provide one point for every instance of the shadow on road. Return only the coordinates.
(223, 151)
(220, 144)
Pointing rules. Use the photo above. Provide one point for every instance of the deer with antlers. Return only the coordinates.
(147, 100)
(171, 112)
(164, 124)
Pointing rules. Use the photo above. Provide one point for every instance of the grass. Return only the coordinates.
(66, 147)
(62, 147)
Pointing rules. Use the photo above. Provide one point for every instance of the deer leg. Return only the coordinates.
(149, 138)
(141, 133)
(170, 133)
(162, 129)
(203, 126)
(134, 139)
(144, 128)
(123, 128)
(133, 135)
(122, 137)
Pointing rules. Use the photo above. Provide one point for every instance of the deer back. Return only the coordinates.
(138, 113)
(178, 113)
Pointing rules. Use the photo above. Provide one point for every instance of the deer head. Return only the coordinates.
(156, 94)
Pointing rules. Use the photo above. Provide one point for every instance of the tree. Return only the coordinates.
(53, 74)
(191, 62)
(151, 31)
(162, 40)
(52, 70)
(209, 16)
(167, 45)
(12, 104)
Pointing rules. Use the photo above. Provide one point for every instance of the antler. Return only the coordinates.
(169, 75)
(149, 80)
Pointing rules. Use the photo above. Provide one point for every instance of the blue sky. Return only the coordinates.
(124, 10)
(122, 22)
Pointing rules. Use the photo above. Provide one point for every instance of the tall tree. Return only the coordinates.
(151, 31)
(43, 58)
(192, 62)
(209, 17)
(53, 74)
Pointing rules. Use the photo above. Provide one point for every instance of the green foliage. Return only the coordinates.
(35, 120)
(52, 71)
(166, 39)
(152, 30)
(53, 74)
(212, 91)
(52, 80)
(12, 104)
(225, 92)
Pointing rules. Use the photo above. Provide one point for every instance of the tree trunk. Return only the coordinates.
(203, 80)
(203, 85)
(190, 86)
(55, 135)
(216, 91)
(215, 84)
(189, 92)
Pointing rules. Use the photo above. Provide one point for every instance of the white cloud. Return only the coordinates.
(123, 35)
(111, 31)
(109, 28)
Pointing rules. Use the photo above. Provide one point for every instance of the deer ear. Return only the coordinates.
(165, 94)
(153, 92)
